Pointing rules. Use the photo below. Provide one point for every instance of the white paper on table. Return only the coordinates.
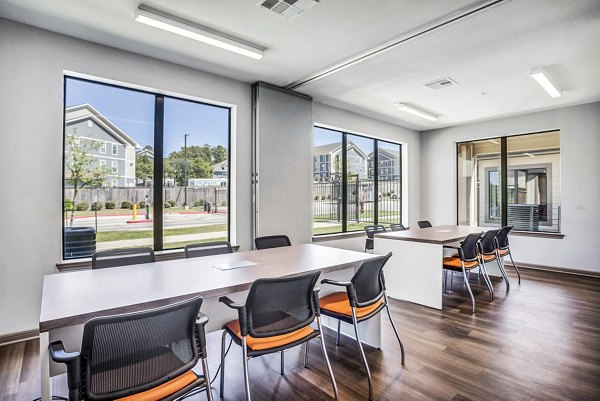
(234, 265)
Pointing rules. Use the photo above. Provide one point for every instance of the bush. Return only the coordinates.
(171, 203)
(167, 204)
(97, 206)
(109, 205)
(125, 205)
(81, 206)
(328, 197)
(323, 197)
(199, 203)
(317, 197)
(68, 206)
(142, 204)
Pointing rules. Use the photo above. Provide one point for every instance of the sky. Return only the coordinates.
(133, 113)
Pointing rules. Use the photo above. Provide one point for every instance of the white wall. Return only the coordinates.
(410, 139)
(580, 183)
(32, 62)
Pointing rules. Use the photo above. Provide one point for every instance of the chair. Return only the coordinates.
(397, 227)
(504, 249)
(146, 355)
(424, 224)
(122, 257)
(363, 299)
(489, 253)
(277, 315)
(207, 249)
(467, 260)
(370, 230)
(272, 241)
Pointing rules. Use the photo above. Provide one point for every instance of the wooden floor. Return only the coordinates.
(541, 341)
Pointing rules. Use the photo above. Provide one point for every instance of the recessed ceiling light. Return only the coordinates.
(416, 111)
(195, 32)
(543, 78)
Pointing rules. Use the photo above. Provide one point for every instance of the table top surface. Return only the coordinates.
(434, 235)
(73, 298)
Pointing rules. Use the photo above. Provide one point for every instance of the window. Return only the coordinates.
(351, 191)
(531, 189)
(191, 142)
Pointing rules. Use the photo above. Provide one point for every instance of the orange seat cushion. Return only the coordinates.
(338, 302)
(260, 344)
(488, 258)
(503, 252)
(164, 389)
(455, 262)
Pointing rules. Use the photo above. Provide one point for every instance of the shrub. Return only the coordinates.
(328, 197)
(317, 197)
(142, 204)
(125, 205)
(171, 203)
(109, 205)
(199, 203)
(167, 204)
(97, 206)
(81, 206)
(68, 206)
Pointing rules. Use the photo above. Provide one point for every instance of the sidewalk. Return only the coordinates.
(100, 246)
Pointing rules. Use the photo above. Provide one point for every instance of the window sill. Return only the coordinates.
(337, 236)
(537, 234)
(86, 263)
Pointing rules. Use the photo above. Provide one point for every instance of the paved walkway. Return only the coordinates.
(100, 246)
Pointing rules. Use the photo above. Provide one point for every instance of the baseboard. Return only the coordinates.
(555, 269)
(20, 336)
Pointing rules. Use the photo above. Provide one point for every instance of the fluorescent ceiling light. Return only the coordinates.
(416, 111)
(189, 30)
(543, 78)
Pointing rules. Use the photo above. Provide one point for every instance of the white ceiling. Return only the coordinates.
(487, 52)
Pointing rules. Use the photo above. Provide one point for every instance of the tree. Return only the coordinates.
(199, 162)
(143, 167)
(78, 170)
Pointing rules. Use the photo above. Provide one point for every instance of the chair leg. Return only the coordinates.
(362, 352)
(445, 282)
(387, 308)
(335, 389)
(515, 266)
(337, 337)
(222, 385)
(282, 370)
(206, 378)
(306, 354)
(451, 279)
(487, 280)
(245, 361)
(503, 273)
(468, 287)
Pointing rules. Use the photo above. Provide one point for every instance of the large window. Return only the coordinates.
(112, 200)
(357, 182)
(526, 196)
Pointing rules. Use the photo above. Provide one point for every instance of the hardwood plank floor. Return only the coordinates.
(540, 341)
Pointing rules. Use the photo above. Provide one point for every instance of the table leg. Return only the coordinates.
(45, 379)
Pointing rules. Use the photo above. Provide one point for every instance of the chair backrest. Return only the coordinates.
(397, 227)
(207, 249)
(272, 241)
(122, 257)
(127, 354)
(368, 280)
(502, 237)
(469, 247)
(488, 245)
(424, 223)
(281, 305)
(377, 228)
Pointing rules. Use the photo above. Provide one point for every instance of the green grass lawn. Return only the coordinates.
(140, 211)
(338, 229)
(175, 245)
(126, 235)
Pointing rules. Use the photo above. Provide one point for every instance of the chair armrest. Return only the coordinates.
(339, 283)
(316, 300)
(72, 360)
(349, 289)
(200, 324)
(451, 247)
(227, 301)
(242, 316)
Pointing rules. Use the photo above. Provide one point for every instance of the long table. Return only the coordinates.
(414, 273)
(70, 299)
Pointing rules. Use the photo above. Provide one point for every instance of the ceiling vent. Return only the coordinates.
(287, 9)
(441, 83)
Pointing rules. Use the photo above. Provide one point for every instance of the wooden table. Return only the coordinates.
(70, 299)
(414, 273)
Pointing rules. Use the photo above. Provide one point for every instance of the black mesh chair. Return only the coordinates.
(207, 249)
(363, 299)
(397, 227)
(277, 315)
(370, 230)
(504, 249)
(467, 260)
(122, 257)
(489, 253)
(424, 224)
(145, 355)
(272, 241)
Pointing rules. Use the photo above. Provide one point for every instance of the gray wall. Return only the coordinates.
(580, 186)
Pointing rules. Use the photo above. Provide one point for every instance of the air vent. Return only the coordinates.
(287, 9)
(441, 83)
